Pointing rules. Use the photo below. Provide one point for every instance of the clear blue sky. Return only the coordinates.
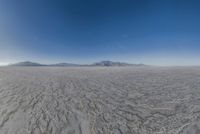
(158, 32)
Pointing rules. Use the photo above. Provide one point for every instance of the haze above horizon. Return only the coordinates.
(152, 32)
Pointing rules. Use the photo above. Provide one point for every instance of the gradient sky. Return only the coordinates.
(156, 32)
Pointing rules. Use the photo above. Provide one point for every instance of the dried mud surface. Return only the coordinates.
(98, 100)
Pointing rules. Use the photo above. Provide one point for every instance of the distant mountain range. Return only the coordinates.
(112, 63)
(102, 63)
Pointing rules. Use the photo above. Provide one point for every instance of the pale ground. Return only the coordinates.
(112, 100)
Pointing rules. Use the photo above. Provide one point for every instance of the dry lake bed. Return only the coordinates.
(100, 100)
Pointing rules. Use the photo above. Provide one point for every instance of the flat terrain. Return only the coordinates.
(100, 100)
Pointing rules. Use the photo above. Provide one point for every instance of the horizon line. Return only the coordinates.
(3, 64)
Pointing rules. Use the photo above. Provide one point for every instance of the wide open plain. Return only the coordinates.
(100, 100)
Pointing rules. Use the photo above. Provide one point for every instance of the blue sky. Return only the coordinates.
(156, 32)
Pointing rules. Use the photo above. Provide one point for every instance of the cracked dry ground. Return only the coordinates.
(94, 100)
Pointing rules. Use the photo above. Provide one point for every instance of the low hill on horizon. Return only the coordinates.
(26, 63)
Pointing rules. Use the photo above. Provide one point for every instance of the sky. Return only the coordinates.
(154, 32)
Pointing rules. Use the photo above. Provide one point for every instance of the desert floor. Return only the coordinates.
(100, 100)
